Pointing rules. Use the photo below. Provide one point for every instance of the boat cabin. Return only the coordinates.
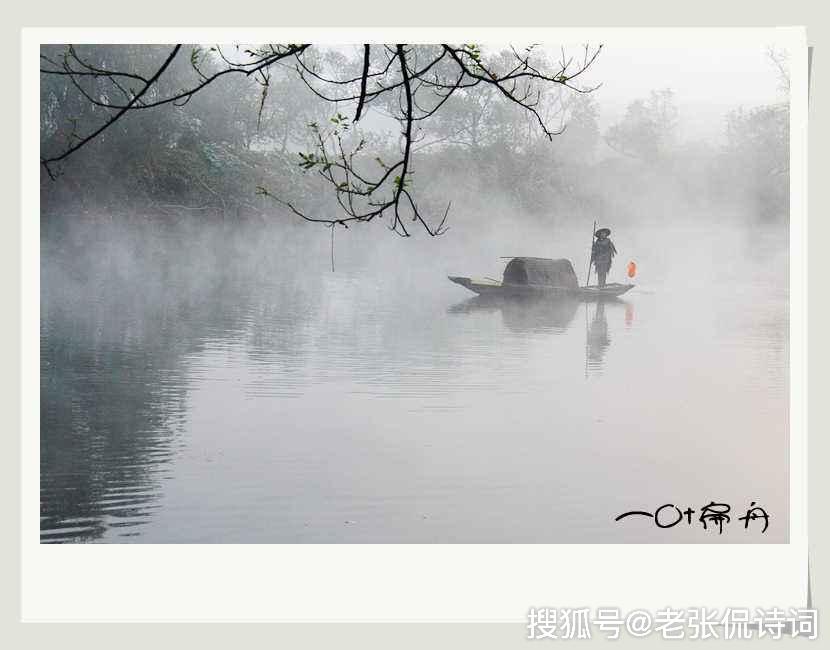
(540, 271)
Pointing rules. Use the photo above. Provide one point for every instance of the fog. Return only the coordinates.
(215, 368)
(745, 77)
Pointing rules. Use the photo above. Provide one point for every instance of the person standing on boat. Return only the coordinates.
(602, 252)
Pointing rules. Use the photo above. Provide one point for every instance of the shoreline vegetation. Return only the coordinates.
(207, 159)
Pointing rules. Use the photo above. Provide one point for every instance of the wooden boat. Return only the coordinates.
(536, 276)
(487, 287)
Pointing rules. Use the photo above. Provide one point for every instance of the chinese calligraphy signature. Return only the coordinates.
(713, 516)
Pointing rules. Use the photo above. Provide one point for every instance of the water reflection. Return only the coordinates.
(554, 315)
(108, 423)
(199, 388)
(598, 338)
(525, 314)
(120, 330)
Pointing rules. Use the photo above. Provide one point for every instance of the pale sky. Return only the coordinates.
(708, 82)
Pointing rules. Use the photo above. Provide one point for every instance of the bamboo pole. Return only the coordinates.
(593, 235)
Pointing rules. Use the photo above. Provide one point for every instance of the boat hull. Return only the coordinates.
(493, 288)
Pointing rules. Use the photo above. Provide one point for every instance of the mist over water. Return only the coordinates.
(216, 369)
(209, 382)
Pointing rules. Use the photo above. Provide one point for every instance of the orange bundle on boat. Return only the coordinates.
(632, 269)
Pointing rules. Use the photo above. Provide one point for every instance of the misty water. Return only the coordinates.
(219, 383)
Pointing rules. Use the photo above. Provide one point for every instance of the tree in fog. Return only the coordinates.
(412, 82)
(647, 130)
(477, 118)
(756, 154)
(504, 148)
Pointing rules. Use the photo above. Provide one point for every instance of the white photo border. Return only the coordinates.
(403, 582)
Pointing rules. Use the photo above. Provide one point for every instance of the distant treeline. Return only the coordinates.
(209, 156)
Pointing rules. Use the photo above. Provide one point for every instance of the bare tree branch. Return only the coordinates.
(363, 79)
(45, 161)
(413, 83)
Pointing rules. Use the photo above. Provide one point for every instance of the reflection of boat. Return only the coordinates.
(529, 276)
(524, 313)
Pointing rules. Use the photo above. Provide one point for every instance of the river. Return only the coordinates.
(221, 385)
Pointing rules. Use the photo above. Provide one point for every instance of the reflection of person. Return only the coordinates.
(602, 252)
(598, 339)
